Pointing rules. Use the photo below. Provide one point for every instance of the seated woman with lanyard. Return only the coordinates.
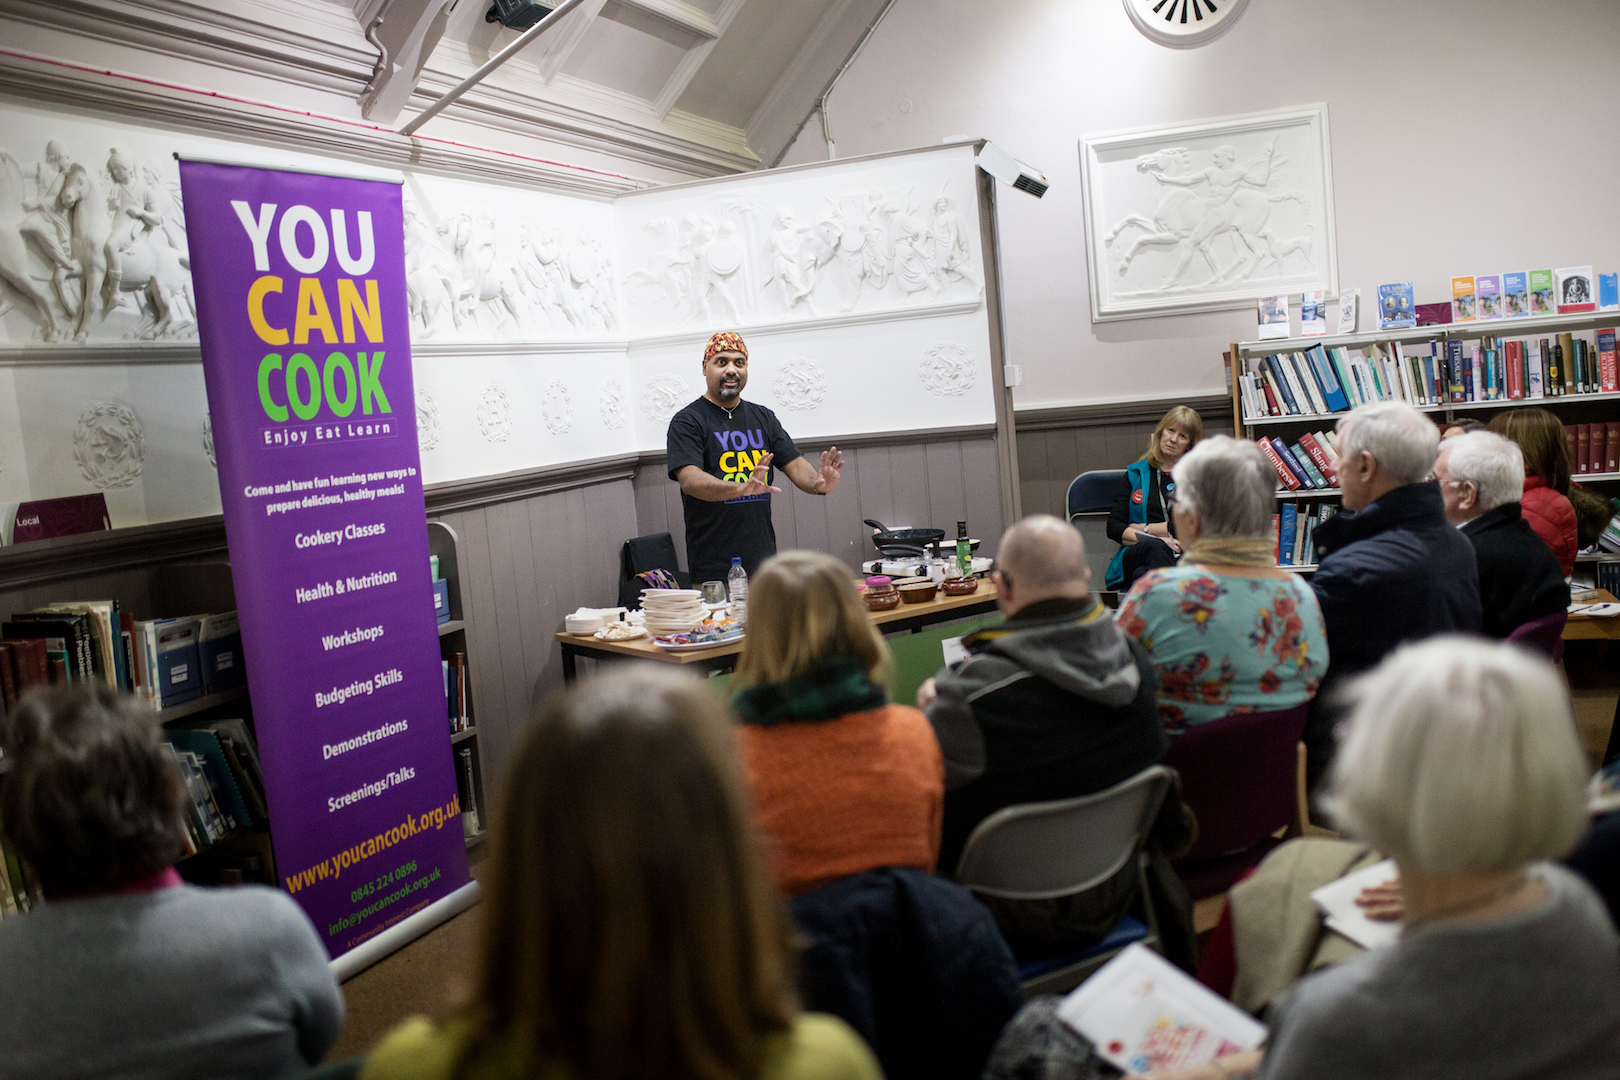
(1139, 522)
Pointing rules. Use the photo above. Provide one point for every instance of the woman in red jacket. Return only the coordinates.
(1545, 503)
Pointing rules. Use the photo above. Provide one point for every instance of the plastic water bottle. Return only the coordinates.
(737, 591)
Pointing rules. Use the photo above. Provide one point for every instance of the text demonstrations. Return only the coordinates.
(339, 694)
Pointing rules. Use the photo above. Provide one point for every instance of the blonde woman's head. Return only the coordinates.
(802, 607)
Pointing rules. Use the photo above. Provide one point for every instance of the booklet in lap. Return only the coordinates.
(1143, 1013)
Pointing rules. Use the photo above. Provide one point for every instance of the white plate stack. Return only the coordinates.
(672, 611)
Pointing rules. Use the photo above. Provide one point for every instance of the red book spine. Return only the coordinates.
(1284, 474)
(1569, 437)
(1611, 446)
(1314, 449)
(1583, 448)
(1271, 398)
(1515, 369)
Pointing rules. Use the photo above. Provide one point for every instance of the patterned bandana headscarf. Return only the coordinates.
(725, 341)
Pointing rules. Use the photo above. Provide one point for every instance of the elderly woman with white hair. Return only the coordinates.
(1227, 631)
(1392, 568)
(1460, 761)
(1481, 476)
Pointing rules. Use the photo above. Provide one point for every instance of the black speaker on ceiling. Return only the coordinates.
(518, 14)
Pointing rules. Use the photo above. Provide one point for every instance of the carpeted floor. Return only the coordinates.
(425, 977)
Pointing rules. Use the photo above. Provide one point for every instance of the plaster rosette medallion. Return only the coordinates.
(947, 369)
(428, 429)
(494, 413)
(107, 445)
(614, 405)
(557, 409)
(662, 397)
(800, 385)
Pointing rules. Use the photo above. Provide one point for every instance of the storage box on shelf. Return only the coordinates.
(461, 716)
(1433, 364)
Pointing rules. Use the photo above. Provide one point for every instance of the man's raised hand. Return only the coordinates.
(831, 471)
(757, 483)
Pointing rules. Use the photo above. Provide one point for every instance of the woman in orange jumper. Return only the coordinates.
(843, 780)
(1546, 501)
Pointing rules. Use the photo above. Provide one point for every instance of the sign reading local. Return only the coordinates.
(300, 285)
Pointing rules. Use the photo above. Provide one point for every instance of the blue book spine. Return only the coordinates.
(1290, 521)
(1332, 392)
(1282, 385)
(1289, 463)
(1305, 465)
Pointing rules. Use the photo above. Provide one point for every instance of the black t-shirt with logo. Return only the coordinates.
(727, 446)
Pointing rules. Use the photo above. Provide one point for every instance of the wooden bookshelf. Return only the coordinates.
(453, 638)
(201, 704)
(1294, 425)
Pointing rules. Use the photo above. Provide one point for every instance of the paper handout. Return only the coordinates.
(1142, 1014)
(1337, 901)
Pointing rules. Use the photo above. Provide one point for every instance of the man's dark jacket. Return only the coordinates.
(1056, 703)
(1392, 572)
(1519, 576)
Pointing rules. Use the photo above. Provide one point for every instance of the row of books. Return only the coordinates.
(1565, 291)
(1312, 462)
(1322, 380)
(163, 661)
(1294, 526)
(19, 888)
(224, 787)
(455, 692)
(1594, 448)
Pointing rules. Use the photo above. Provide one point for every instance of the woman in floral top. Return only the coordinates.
(1228, 631)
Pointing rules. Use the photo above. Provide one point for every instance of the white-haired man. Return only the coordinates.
(1481, 476)
(1392, 568)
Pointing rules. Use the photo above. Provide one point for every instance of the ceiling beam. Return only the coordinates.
(692, 62)
(405, 33)
(567, 38)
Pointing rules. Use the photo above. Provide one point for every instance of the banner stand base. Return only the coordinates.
(401, 934)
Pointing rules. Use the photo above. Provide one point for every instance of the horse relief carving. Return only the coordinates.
(1217, 224)
(472, 277)
(739, 262)
(94, 250)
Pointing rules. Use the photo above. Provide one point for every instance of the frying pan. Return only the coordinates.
(903, 541)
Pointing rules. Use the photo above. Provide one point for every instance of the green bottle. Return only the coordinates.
(964, 550)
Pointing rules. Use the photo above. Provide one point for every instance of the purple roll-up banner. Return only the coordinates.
(300, 288)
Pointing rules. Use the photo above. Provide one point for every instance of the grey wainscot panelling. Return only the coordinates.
(1056, 445)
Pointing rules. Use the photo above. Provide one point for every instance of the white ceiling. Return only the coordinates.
(689, 87)
(735, 75)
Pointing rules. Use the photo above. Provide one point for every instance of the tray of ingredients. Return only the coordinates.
(706, 636)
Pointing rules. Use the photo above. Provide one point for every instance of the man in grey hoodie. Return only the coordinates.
(1055, 703)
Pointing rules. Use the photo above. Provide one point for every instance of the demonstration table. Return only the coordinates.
(723, 657)
(1587, 628)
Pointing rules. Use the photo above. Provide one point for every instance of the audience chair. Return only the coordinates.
(1545, 635)
(914, 964)
(1240, 775)
(655, 551)
(1088, 503)
(1041, 851)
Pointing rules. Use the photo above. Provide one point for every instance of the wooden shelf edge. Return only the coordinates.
(477, 838)
(463, 736)
(452, 626)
